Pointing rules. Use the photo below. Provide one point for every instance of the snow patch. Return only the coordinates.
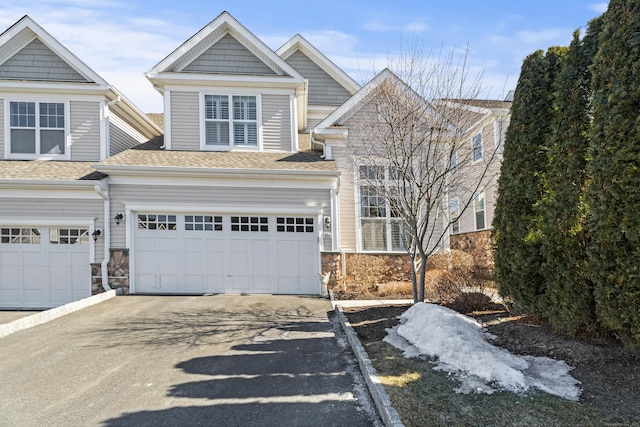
(460, 346)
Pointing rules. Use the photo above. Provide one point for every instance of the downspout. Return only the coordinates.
(104, 193)
(313, 141)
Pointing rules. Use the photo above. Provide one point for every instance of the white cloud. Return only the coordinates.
(599, 7)
(416, 26)
(543, 37)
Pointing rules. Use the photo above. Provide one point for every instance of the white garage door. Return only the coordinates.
(43, 267)
(226, 254)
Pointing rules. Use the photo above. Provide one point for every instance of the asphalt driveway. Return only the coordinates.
(180, 361)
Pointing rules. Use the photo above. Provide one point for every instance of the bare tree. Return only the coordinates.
(410, 148)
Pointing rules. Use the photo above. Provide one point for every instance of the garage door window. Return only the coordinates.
(18, 236)
(294, 225)
(69, 236)
(157, 222)
(249, 223)
(202, 223)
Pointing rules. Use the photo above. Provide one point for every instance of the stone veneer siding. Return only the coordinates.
(398, 267)
(117, 270)
(479, 244)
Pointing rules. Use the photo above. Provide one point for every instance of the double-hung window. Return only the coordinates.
(37, 128)
(476, 146)
(381, 228)
(479, 209)
(230, 121)
(454, 213)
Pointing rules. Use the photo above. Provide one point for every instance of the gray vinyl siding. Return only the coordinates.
(119, 140)
(48, 209)
(1, 128)
(85, 130)
(185, 121)
(276, 123)
(121, 136)
(471, 173)
(348, 235)
(211, 196)
(323, 89)
(37, 62)
(228, 56)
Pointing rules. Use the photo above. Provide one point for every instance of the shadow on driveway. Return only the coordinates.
(288, 374)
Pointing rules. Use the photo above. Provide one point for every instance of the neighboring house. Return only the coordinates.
(472, 231)
(243, 192)
(57, 118)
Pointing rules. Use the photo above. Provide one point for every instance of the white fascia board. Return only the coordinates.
(227, 89)
(332, 133)
(226, 209)
(49, 87)
(209, 172)
(164, 80)
(55, 46)
(298, 42)
(33, 221)
(145, 124)
(47, 190)
(326, 182)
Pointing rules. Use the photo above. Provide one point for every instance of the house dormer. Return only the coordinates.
(54, 107)
(225, 90)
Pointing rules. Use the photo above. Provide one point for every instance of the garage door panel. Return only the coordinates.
(213, 257)
(147, 282)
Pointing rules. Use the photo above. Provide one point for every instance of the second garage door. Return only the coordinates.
(193, 254)
(43, 267)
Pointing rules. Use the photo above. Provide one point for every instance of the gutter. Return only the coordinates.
(106, 235)
(226, 172)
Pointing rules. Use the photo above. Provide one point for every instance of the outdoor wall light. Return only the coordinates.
(119, 217)
(327, 222)
(96, 233)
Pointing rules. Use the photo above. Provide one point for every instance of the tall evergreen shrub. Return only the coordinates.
(613, 195)
(569, 302)
(517, 219)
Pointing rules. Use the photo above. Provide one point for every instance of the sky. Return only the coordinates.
(123, 39)
(461, 347)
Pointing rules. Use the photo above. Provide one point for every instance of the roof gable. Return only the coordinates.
(228, 56)
(198, 51)
(28, 52)
(353, 104)
(319, 69)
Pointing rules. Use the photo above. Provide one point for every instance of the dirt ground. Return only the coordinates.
(610, 375)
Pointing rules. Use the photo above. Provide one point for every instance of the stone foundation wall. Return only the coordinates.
(117, 270)
(398, 267)
(478, 244)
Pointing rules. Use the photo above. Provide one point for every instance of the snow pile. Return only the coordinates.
(460, 346)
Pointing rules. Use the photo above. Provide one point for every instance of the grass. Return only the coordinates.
(425, 397)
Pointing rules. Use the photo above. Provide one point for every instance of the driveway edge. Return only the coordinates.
(54, 313)
(388, 413)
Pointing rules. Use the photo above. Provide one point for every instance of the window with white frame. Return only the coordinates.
(381, 228)
(479, 209)
(231, 120)
(476, 146)
(37, 128)
(453, 167)
(454, 213)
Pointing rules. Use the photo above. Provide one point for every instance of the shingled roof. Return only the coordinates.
(484, 103)
(40, 170)
(149, 154)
